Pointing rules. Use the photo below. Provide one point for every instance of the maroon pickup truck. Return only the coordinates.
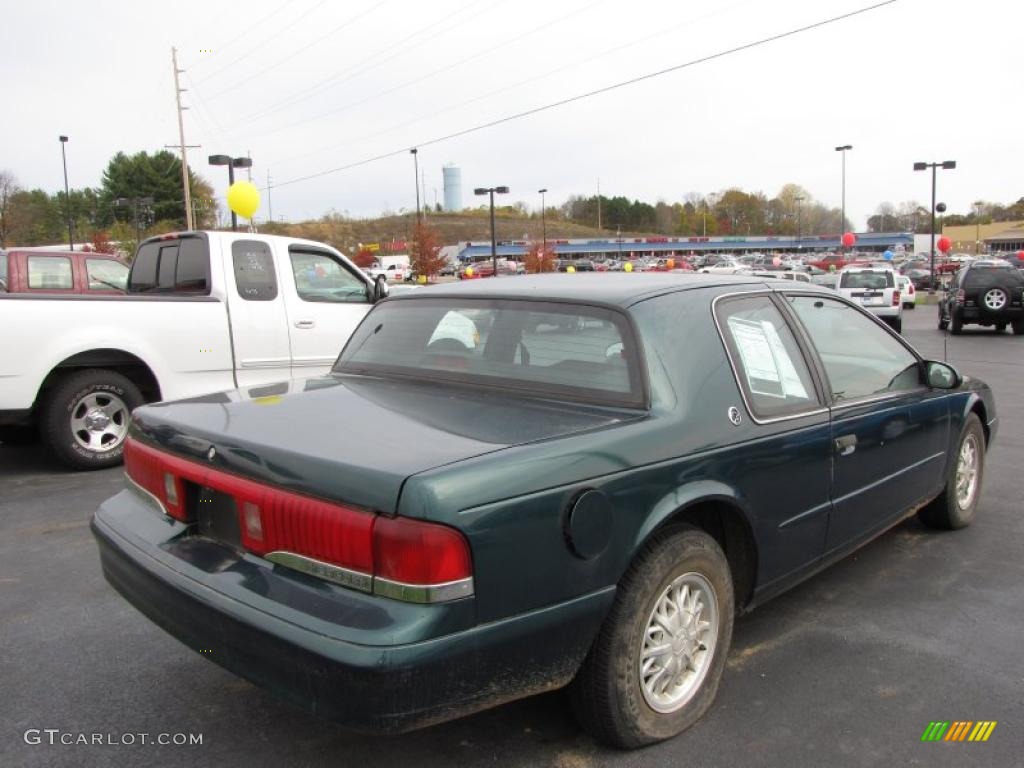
(31, 271)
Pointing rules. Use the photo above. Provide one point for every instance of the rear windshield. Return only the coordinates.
(867, 279)
(574, 351)
(171, 266)
(985, 277)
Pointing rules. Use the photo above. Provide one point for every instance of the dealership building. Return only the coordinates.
(639, 247)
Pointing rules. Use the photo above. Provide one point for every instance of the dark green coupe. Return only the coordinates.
(509, 486)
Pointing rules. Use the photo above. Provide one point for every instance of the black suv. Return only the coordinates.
(984, 293)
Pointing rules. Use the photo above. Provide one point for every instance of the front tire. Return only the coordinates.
(956, 506)
(85, 418)
(654, 667)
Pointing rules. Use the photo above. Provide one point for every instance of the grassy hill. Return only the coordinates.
(344, 233)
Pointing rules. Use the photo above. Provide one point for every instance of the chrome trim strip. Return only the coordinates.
(805, 514)
(321, 570)
(312, 362)
(276, 362)
(868, 399)
(416, 593)
(154, 499)
(887, 478)
(735, 371)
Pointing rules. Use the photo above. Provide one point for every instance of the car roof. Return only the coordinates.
(622, 289)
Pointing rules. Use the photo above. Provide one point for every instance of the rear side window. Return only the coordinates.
(766, 358)
(50, 273)
(866, 279)
(172, 266)
(254, 270)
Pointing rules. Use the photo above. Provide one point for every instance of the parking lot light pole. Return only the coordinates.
(947, 165)
(543, 220)
(494, 242)
(67, 192)
(842, 216)
(416, 171)
(231, 163)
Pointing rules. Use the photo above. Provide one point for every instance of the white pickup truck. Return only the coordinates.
(204, 312)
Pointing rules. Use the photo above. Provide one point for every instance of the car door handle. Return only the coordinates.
(846, 444)
(305, 323)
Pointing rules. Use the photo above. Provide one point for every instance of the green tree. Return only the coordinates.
(157, 176)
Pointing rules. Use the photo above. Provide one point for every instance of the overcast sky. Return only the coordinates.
(310, 85)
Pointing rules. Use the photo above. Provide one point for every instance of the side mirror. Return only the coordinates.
(942, 375)
(380, 289)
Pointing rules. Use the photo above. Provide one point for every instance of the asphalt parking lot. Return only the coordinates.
(845, 670)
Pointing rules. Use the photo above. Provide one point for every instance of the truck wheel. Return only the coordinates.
(655, 665)
(956, 323)
(955, 507)
(85, 418)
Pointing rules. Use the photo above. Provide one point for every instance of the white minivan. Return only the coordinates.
(875, 289)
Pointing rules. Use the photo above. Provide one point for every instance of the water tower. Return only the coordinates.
(452, 187)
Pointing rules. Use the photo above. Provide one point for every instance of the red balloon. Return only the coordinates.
(849, 239)
(944, 244)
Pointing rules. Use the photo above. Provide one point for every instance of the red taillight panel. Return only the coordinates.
(895, 298)
(414, 554)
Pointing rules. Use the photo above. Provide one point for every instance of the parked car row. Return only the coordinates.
(62, 272)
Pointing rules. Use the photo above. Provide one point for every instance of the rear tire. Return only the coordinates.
(956, 323)
(69, 427)
(956, 506)
(623, 678)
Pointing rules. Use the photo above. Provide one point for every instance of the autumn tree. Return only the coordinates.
(538, 259)
(425, 250)
(100, 243)
(364, 258)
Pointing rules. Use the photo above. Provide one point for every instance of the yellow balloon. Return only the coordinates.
(243, 198)
(628, 267)
(422, 279)
(570, 268)
(469, 271)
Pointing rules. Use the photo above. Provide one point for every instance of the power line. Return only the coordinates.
(409, 83)
(257, 47)
(598, 91)
(251, 27)
(365, 65)
(519, 84)
(302, 49)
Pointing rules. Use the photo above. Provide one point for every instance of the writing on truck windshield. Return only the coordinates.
(563, 350)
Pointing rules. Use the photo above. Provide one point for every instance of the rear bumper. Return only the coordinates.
(982, 315)
(366, 687)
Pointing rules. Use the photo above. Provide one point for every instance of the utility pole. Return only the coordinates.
(599, 203)
(270, 208)
(181, 136)
(248, 168)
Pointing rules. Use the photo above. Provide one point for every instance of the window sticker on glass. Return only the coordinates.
(767, 365)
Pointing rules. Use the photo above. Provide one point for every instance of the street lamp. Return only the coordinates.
(67, 192)
(842, 216)
(799, 199)
(543, 219)
(947, 165)
(416, 171)
(494, 243)
(231, 163)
